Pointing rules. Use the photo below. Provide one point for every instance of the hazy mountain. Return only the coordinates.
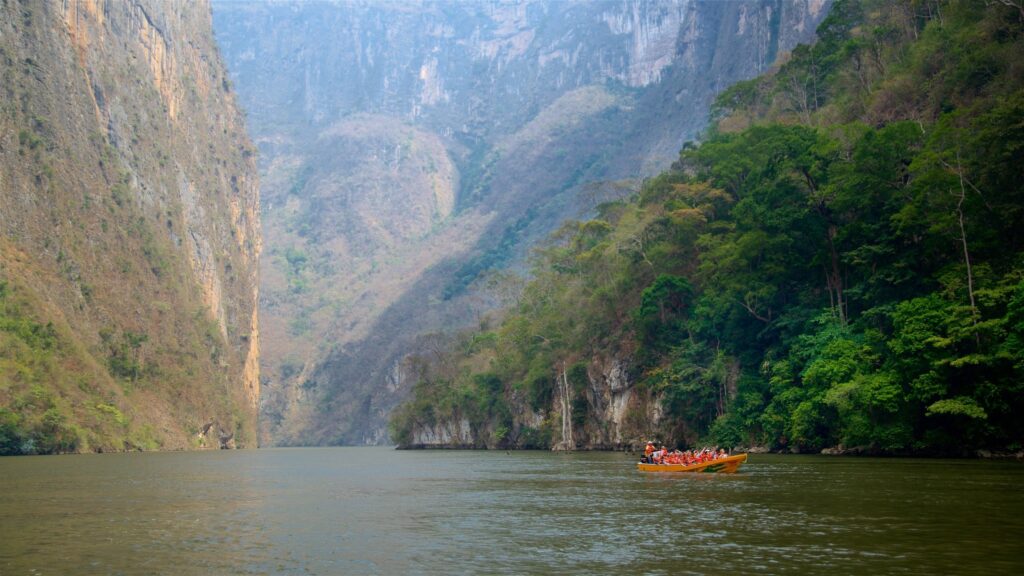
(409, 147)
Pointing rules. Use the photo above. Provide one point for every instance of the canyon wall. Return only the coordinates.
(129, 231)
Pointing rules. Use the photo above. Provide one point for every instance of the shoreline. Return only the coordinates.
(836, 451)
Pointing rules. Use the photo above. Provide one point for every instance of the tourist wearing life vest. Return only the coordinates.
(648, 451)
(664, 455)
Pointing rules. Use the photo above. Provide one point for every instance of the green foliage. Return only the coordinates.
(113, 413)
(34, 420)
(663, 312)
(35, 336)
(578, 381)
(48, 433)
(691, 382)
(959, 406)
(120, 192)
(535, 438)
(540, 389)
(30, 141)
(296, 263)
(12, 437)
(301, 324)
(55, 434)
(124, 353)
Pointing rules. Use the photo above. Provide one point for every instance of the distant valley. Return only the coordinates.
(409, 150)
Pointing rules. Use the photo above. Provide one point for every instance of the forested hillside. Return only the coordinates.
(839, 263)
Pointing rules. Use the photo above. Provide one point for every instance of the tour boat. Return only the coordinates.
(726, 465)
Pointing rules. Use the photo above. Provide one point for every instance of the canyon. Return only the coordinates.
(409, 150)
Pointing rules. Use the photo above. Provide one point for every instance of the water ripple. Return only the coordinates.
(377, 511)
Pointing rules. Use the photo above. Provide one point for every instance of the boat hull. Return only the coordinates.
(727, 465)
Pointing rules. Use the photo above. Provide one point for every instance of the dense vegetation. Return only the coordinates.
(37, 423)
(839, 262)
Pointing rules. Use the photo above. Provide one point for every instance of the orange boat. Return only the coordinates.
(726, 465)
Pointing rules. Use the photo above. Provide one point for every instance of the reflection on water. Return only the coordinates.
(378, 511)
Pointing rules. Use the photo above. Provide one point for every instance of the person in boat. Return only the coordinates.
(648, 451)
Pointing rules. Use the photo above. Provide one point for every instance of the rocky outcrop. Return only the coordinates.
(445, 435)
(212, 435)
(619, 415)
(492, 121)
(130, 224)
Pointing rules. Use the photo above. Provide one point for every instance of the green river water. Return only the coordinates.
(380, 511)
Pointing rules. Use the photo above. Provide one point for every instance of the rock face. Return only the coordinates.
(129, 230)
(445, 435)
(618, 414)
(410, 147)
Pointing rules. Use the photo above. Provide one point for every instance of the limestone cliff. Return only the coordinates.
(492, 121)
(129, 231)
(619, 415)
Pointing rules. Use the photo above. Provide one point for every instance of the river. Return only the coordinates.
(378, 511)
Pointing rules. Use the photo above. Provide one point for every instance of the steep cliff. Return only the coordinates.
(592, 404)
(129, 231)
(491, 121)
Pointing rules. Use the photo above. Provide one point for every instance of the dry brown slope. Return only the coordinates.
(129, 231)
